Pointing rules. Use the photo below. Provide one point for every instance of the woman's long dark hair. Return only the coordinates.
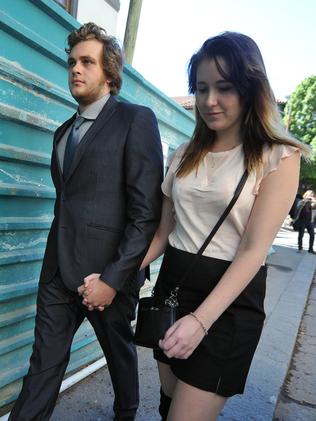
(261, 122)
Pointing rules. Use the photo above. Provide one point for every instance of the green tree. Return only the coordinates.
(300, 119)
(300, 111)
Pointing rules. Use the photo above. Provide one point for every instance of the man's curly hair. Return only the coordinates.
(112, 53)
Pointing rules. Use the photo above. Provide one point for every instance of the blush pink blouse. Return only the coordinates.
(200, 198)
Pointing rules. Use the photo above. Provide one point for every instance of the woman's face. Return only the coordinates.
(217, 99)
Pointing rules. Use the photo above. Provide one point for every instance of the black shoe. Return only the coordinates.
(311, 251)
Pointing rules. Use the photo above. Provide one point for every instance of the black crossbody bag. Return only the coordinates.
(156, 314)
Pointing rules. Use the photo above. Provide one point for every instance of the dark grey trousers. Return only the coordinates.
(59, 314)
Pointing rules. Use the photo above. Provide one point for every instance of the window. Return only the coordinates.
(71, 6)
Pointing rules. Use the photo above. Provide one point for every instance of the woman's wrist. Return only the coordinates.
(202, 325)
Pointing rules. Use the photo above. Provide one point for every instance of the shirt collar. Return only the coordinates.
(93, 110)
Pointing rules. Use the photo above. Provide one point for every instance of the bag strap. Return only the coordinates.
(229, 207)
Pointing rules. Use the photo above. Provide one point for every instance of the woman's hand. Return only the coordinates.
(97, 295)
(182, 338)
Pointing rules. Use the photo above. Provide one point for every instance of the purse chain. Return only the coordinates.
(172, 300)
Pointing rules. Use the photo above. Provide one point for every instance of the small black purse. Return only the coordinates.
(155, 314)
(154, 317)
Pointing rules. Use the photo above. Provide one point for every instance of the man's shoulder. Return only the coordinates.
(132, 108)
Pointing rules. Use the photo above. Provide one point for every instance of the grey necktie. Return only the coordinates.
(72, 142)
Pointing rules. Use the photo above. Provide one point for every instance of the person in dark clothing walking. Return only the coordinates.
(107, 168)
(305, 220)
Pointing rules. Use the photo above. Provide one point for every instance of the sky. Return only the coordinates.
(170, 31)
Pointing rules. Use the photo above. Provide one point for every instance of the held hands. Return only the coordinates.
(182, 337)
(96, 293)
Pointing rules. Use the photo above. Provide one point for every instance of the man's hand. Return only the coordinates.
(97, 294)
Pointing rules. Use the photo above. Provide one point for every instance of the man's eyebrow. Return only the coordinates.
(70, 59)
(85, 57)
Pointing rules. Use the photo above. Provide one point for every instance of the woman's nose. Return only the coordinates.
(212, 98)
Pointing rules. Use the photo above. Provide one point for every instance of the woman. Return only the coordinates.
(305, 220)
(205, 356)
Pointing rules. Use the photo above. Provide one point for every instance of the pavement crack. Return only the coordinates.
(288, 399)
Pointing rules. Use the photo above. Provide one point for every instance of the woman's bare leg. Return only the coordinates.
(168, 380)
(190, 403)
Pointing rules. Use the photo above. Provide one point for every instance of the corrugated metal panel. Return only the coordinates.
(34, 102)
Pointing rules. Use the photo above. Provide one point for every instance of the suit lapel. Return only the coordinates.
(58, 135)
(105, 114)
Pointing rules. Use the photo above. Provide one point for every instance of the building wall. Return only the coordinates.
(100, 12)
(34, 102)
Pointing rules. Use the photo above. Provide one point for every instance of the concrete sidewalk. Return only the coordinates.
(297, 400)
(289, 279)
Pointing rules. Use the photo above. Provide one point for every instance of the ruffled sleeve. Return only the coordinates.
(172, 163)
(271, 160)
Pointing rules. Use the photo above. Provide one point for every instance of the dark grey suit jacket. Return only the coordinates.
(107, 210)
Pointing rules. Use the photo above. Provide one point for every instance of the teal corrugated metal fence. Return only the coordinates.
(34, 102)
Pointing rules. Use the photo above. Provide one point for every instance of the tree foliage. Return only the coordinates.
(300, 111)
(300, 119)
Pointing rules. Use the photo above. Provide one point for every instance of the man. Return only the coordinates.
(304, 219)
(107, 170)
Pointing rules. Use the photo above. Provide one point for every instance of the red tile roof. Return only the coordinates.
(188, 101)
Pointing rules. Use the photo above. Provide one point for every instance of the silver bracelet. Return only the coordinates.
(200, 323)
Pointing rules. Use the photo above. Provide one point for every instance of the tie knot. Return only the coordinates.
(77, 123)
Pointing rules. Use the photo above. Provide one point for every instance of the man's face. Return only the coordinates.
(86, 78)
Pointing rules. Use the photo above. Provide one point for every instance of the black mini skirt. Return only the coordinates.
(221, 362)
